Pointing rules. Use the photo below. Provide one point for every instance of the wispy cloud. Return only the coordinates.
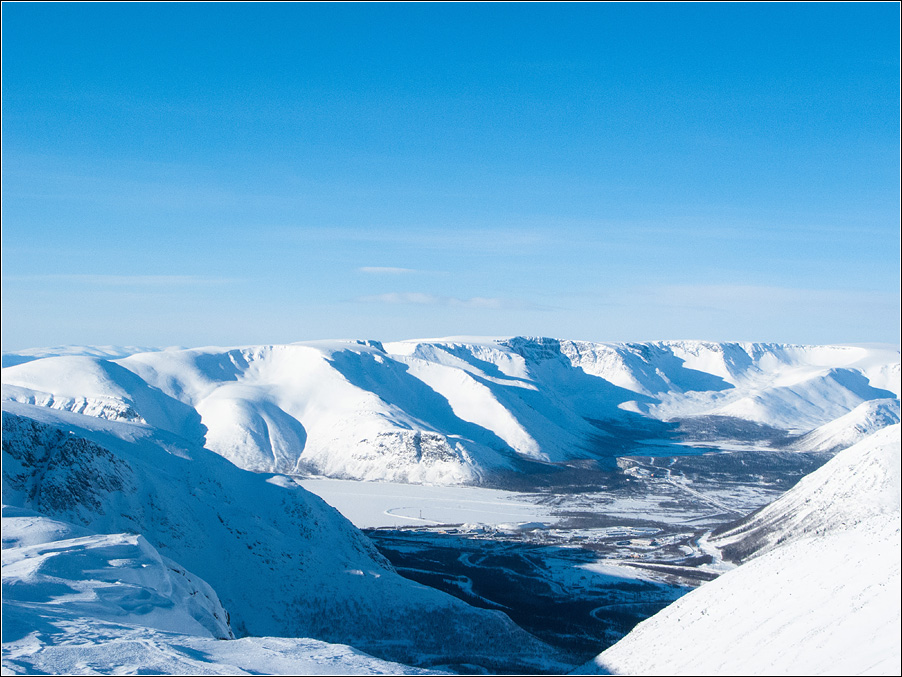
(419, 299)
(735, 297)
(150, 281)
(487, 241)
(386, 270)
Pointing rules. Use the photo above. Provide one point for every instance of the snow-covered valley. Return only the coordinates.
(525, 502)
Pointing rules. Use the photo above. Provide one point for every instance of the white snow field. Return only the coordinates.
(452, 411)
(61, 568)
(392, 504)
(818, 594)
(281, 561)
(75, 602)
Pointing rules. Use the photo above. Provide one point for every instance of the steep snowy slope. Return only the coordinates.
(282, 562)
(819, 594)
(860, 483)
(865, 419)
(75, 602)
(457, 411)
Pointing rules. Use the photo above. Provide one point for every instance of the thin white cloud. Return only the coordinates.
(481, 241)
(420, 299)
(386, 270)
(154, 281)
(478, 302)
(409, 298)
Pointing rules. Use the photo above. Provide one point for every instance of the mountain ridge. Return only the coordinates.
(454, 412)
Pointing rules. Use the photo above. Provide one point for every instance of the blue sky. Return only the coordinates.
(193, 174)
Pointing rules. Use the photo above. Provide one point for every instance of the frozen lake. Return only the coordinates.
(387, 504)
(694, 489)
(580, 563)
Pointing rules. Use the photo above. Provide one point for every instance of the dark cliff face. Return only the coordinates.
(58, 473)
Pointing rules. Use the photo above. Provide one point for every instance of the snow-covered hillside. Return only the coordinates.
(457, 411)
(107, 352)
(123, 525)
(865, 419)
(819, 593)
(861, 483)
(281, 561)
(67, 571)
(75, 602)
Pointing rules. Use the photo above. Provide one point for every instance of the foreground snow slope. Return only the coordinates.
(75, 602)
(58, 570)
(91, 647)
(453, 411)
(819, 593)
(282, 562)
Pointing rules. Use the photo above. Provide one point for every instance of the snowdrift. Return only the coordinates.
(68, 572)
(75, 602)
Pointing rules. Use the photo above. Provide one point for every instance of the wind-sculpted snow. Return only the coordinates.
(90, 647)
(87, 646)
(76, 602)
(55, 572)
(819, 593)
(454, 411)
(282, 562)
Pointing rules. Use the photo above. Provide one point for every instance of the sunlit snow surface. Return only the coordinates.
(386, 504)
(92, 647)
(81, 603)
(820, 596)
(458, 410)
(417, 421)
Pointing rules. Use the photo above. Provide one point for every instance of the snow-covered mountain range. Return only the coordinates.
(456, 411)
(128, 541)
(143, 527)
(818, 593)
